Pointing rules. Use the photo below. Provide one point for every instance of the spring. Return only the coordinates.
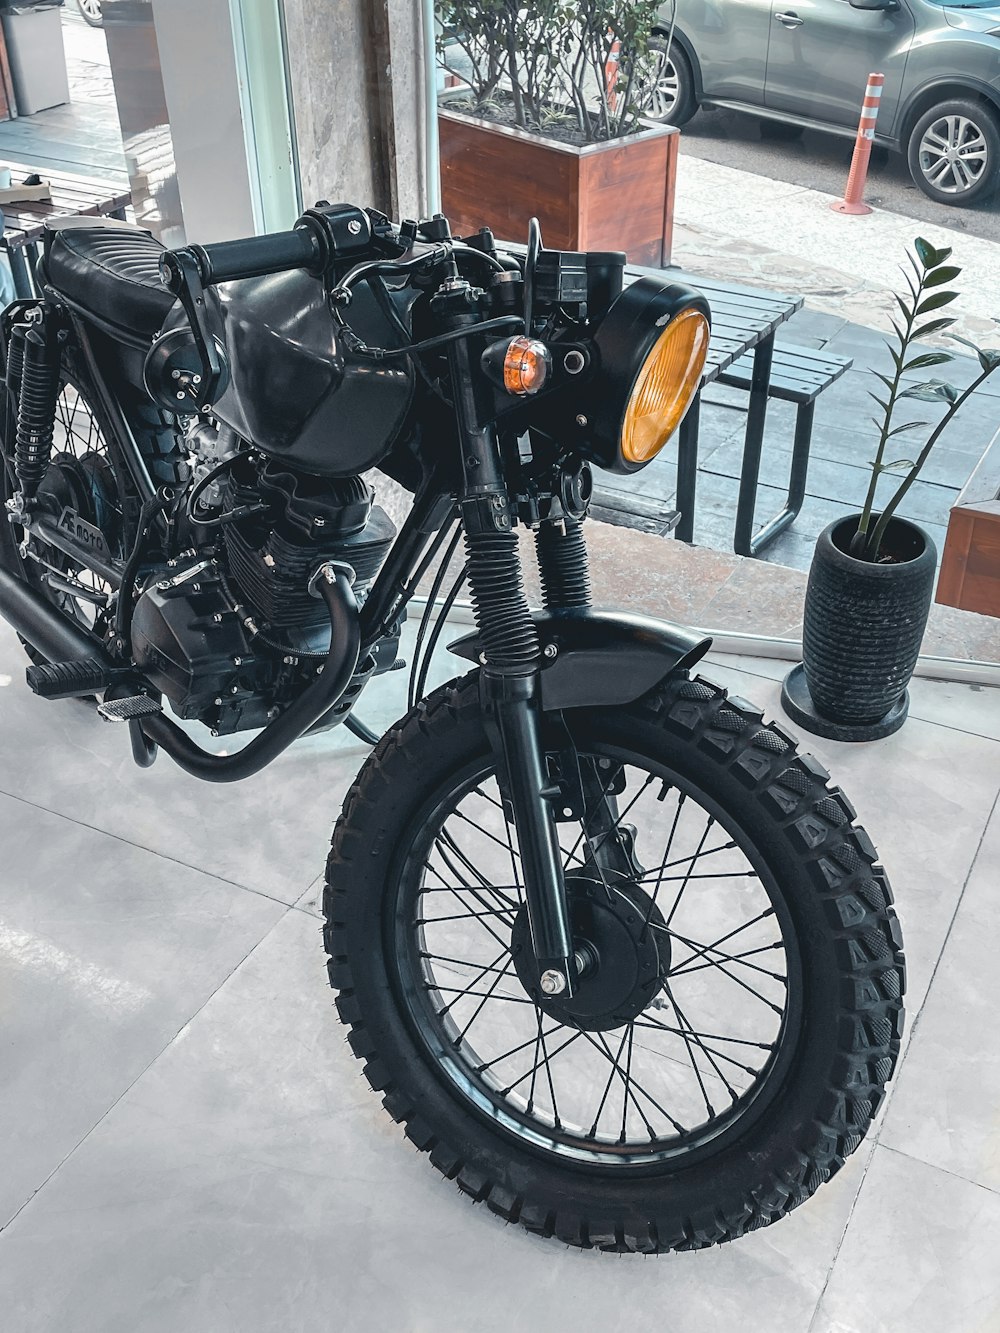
(508, 633)
(36, 410)
(15, 359)
(562, 565)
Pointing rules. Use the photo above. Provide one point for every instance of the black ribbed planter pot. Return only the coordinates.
(861, 633)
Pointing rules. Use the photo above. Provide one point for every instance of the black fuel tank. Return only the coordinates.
(294, 390)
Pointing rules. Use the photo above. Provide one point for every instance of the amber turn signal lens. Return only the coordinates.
(665, 386)
(526, 365)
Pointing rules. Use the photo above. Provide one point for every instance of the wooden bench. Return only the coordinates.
(798, 375)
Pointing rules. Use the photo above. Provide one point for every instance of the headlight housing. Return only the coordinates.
(651, 351)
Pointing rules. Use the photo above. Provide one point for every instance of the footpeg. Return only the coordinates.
(128, 709)
(69, 680)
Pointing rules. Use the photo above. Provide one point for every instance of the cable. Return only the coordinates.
(429, 344)
(439, 625)
(439, 578)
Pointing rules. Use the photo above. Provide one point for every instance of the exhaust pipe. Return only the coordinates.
(48, 631)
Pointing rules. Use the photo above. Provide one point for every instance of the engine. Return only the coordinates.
(232, 636)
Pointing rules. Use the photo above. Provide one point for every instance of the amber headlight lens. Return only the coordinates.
(649, 355)
(665, 386)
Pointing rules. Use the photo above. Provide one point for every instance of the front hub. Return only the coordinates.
(621, 940)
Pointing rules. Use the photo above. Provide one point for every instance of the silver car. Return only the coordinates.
(806, 62)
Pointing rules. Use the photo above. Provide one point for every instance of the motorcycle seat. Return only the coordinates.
(108, 269)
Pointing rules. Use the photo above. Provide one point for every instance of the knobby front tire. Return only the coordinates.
(665, 1164)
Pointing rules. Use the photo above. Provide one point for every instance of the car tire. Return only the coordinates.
(672, 99)
(956, 123)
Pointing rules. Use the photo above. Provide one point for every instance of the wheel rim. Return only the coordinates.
(92, 8)
(692, 1071)
(661, 86)
(953, 154)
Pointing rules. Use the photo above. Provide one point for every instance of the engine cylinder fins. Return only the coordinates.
(317, 508)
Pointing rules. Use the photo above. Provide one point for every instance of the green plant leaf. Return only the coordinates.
(957, 338)
(900, 465)
(934, 391)
(910, 425)
(940, 275)
(929, 359)
(884, 378)
(936, 301)
(881, 401)
(926, 253)
(934, 326)
(906, 309)
(988, 359)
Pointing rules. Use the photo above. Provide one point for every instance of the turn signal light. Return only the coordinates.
(525, 367)
(665, 386)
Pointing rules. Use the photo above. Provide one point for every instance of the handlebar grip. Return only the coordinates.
(254, 256)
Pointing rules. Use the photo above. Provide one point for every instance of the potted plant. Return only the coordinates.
(547, 123)
(872, 574)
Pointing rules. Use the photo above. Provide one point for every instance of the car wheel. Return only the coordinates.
(667, 90)
(954, 152)
(91, 11)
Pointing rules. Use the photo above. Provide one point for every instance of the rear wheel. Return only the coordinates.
(88, 476)
(954, 152)
(741, 1009)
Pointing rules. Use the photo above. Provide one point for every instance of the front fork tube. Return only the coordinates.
(510, 672)
(512, 708)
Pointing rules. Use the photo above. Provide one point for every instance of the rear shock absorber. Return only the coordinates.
(15, 360)
(36, 407)
(563, 566)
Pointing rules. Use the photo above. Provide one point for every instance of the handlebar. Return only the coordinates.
(255, 256)
(321, 237)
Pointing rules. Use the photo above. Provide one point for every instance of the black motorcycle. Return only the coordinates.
(611, 949)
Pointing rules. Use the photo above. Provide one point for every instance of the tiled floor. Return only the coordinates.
(188, 1144)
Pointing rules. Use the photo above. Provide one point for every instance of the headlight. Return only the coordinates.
(651, 347)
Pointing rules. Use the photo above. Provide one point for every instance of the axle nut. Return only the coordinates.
(552, 982)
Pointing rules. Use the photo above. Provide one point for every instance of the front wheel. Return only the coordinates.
(740, 1010)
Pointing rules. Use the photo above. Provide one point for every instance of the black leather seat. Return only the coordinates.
(110, 269)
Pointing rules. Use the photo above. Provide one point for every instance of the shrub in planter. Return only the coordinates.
(548, 124)
(872, 574)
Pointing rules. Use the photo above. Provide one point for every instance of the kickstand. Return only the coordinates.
(357, 728)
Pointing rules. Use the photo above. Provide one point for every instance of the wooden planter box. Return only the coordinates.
(970, 564)
(617, 195)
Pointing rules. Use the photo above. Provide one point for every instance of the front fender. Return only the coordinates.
(602, 657)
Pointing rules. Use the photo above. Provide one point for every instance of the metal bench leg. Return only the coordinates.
(687, 470)
(754, 440)
(796, 482)
(31, 254)
(20, 274)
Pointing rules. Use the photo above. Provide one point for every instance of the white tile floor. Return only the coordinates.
(187, 1143)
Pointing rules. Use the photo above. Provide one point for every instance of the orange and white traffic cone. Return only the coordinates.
(611, 75)
(853, 202)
